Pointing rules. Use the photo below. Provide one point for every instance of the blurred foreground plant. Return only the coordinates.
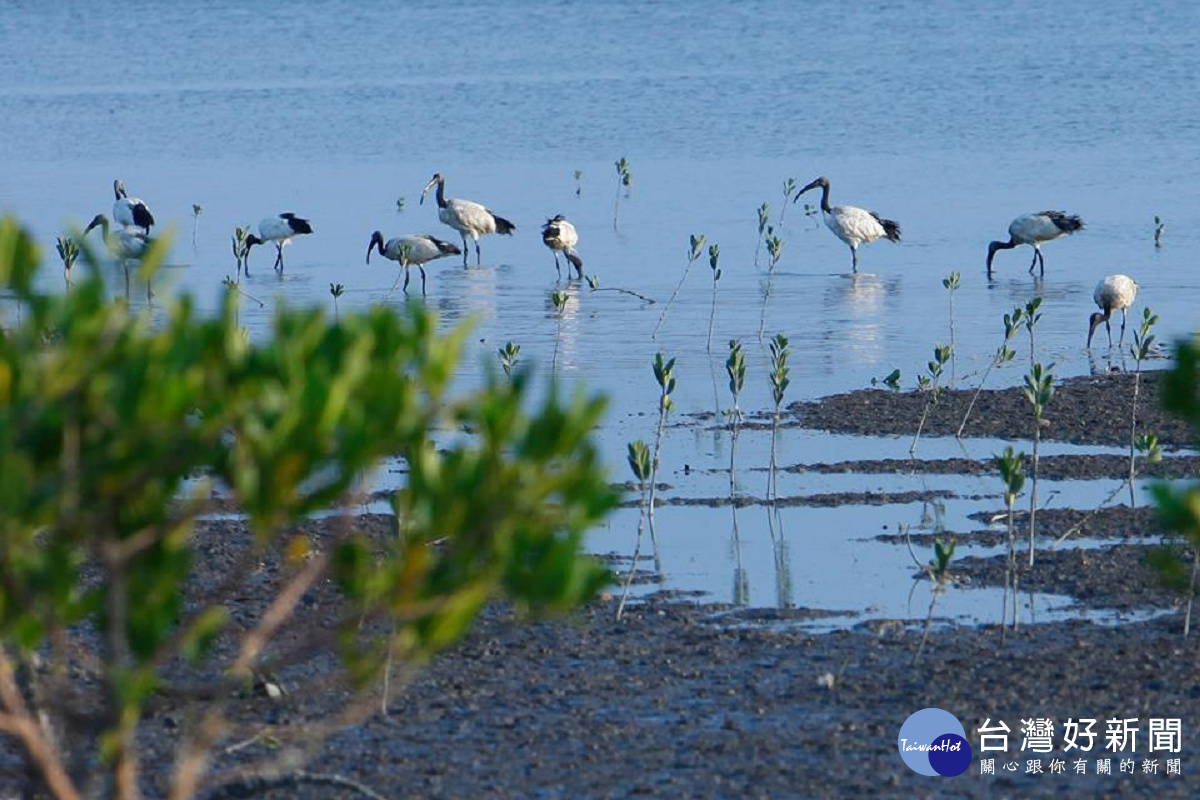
(115, 430)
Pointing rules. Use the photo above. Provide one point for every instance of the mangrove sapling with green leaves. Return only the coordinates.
(114, 434)
(509, 355)
(638, 456)
(624, 182)
(68, 251)
(558, 299)
(789, 189)
(774, 253)
(931, 386)
(1143, 341)
(578, 182)
(938, 570)
(1012, 472)
(779, 351)
(764, 219)
(197, 210)
(664, 375)
(593, 282)
(1004, 355)
(950, 283)
(813, 213)
(1038, 390)
(714, 258)
(735, 368)
(1160, 228)
(401, 204)
(241, 249)
(336, 290)
(891, 380)
(1031, 317)
(697, 250)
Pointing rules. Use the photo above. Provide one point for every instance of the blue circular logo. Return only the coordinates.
(933, 742)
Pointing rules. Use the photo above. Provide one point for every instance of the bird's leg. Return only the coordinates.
(279, 257)
(1041, 262)
(422, 268)
(466, 249)
(557, 268)
(407, 275)
(478, 255)
(1108, 328)
(1033, 264)
(1124, 319)
(853, 258)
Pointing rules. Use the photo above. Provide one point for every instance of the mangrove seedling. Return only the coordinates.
(624, 181)
(1004, 354)
(664, 375)
(1143, 341)
(1032, 316)
(638, 457)
(813, 213)
(697, 249)
(336, 290)
(1038, 390)
(241, 249)
(558, 299)
(1012, 472)
(774, 253)
(578, 182)
(593, 282)
(735, 368)
(779, 351)
(789, 189)
(891, 380)
(951, 283)
(1160, 228)
(401, 204)
(714, 258)
(68, 251)
(938, 571)
(931, 385)
(764, 219)
(509, 355)
(197, 210)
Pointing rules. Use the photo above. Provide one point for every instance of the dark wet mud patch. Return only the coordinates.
(1085, 410)
(1116, 577)
(829, 500)
(1056, 467)
(1113, 522)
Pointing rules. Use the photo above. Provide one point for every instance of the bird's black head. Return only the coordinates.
(992, 248)
(1093, 322)
(97, 221)
(822, 181)
(376, 241)
(252, 240)
(119, 189)
(436, 180)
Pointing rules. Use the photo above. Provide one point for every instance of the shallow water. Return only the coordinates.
(951, 119)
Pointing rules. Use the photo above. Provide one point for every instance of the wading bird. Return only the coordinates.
(1034, 229)
(130, 212)
(279, 230)
(851, 224)
(414, 249)
(125, 244)
(469, 219)
(1113, 293)
(561, 237)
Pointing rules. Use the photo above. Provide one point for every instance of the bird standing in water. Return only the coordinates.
(561, 237)
(854, 226)
(1116, 292)
(1033, 230)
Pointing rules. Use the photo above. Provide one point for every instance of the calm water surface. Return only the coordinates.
(950, 118)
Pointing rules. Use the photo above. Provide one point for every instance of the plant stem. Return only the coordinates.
(637, 551)
(1037, 440)
(671, 300)
(937, 591)
(1137, 383)
(974, 397)
(712, 315)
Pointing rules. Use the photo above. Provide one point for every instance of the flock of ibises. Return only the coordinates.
(853, 225)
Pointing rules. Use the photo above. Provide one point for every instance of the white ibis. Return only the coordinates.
(123, 243)
(1113, 293)
(280, 230)
(414, 249)
(561, 237)
(853, 225)
(130, 212)
(469, 219)
(1033, 230)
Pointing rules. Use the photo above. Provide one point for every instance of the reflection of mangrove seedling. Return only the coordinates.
(714, 258)
(735, 368)
(931, 386)
(789, 189)
(1160, 228)
(1031, 317)
(697, 250)
(593, 282)
(938, 571)
(774, 253)
(664, 374)
(559, 300)
(68, 251)
(509, 355)
(336, 290)
(950, 283)
(764, 219)
(241, 249)
(779, 351)
(1004, 354)
(401, 204)
(1143, 341)
(1038, 390)
(578, 182)
(1012, 472)
(624, 181)
(891, 380)
(640, 465)
(197, 210)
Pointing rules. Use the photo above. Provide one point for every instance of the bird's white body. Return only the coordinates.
(124, 243)
(1035, 230)
(467, 217)
(280, 230)
(1113, 293)
(130, 212)
(561, 237)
